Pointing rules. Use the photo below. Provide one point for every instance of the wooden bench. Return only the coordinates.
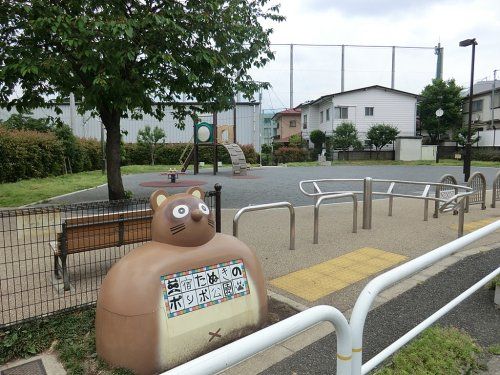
(88, 233)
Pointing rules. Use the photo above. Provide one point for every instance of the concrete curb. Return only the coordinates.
(279, 352)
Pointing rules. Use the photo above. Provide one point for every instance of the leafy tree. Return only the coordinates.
(296, 140)
(130, 58)
(317, 137)
(460, 136)
(345, 136)
(150, 138)
(444, 95)
(380, 135)
(20, 121)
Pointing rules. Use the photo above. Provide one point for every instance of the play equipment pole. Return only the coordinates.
(195, 151)
(214, 124)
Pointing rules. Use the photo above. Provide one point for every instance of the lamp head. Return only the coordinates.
(467, 42)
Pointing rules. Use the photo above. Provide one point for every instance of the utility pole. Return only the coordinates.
(291, 75)
(393, 66)
(493, 99)
(342, 73)
(439, 63)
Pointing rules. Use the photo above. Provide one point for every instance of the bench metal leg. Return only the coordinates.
(65, 272)
(56, 267)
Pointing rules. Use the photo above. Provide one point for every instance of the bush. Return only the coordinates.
(317, 137)
(29, 154)
(251, 155)
(290, 154)
(91, 154)
(485, 154)
(345, 136)
(170, 153)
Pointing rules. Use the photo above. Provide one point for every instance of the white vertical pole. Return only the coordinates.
(291, 75)
(393, 66)
(342, 69)
(72, 112)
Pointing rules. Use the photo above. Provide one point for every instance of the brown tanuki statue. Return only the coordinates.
(182, 294)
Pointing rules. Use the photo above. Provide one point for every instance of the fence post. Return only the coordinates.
(218, 226)
(461, 213)
(367, 203)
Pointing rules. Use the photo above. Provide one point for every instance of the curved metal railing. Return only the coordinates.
(267, 206)
(457, 199)
(335, 196)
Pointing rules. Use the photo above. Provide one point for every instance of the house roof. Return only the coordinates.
(481, 87)
(329, 96)
(288, 112)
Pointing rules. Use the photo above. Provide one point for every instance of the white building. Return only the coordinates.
(364, 107)
(483, 111)
(86, 126)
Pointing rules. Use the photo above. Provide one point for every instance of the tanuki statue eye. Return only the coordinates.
(180, 211)
(203, 208)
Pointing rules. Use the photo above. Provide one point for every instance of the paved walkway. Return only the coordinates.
(335, 263)
(273, 184)
(478, 316)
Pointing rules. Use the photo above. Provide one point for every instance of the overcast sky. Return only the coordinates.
(378, 22)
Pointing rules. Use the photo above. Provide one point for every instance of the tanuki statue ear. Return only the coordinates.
(196, 191)
(157, 198)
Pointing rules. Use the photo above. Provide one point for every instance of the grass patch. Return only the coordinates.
(494, 349)
(438, 350)
(38, 189)
(70, 335)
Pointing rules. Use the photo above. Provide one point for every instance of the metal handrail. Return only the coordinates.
(385, 193)
(380, 357)
(349, 335)
(314, 182)
(438, 193)
(378, 284)
(367, 192)
(268, 206)
(335, 196)
(482, 192)
(237, 351)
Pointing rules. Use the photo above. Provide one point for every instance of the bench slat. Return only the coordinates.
(100, 232)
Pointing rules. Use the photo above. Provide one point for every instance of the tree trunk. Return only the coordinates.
(111, 121)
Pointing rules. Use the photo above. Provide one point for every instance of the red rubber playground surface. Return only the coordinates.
(177, 184)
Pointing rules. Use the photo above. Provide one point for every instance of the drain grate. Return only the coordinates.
(31, 368)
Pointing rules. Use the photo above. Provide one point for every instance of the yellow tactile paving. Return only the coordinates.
(317, 281)
(474, 225)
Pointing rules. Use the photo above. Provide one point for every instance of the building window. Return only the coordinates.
(328, 114)
(304, 122)
(293, 123)
(477, 105)
(321, 117)
(342, 112)
(368, 111)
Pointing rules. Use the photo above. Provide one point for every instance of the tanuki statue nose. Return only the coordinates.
(196, 215)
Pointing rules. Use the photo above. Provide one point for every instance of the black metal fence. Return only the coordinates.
(54, 258)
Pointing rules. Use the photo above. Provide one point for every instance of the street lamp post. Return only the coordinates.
(439, 113)
(467, 157)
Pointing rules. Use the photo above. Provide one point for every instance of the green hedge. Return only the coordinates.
(170, 153)
(486, 154)
(29, 154)
(290, 154)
